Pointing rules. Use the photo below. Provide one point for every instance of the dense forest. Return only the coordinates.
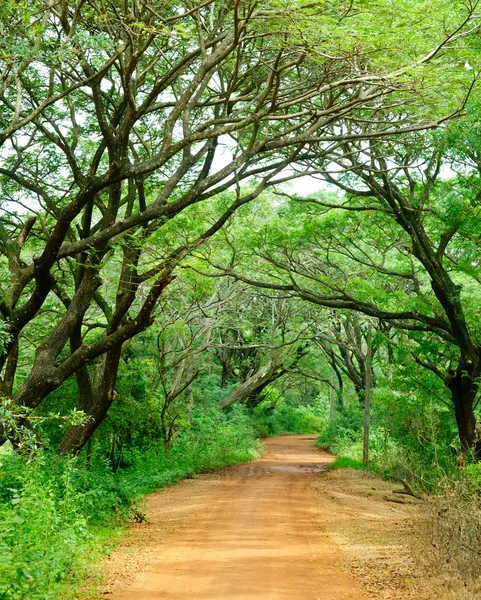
(224, 220)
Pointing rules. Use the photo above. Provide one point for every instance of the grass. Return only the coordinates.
(344, 462)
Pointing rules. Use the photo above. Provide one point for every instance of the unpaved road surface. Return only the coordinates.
(283, 528)
(254, 531)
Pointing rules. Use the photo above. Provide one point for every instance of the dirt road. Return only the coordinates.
(253, 532)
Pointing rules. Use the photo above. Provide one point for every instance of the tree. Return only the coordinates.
(260, 340)
(345, 347)
(399, 246)
(123, 125)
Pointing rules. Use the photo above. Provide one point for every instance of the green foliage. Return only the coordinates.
(45, 533)
(212, 440)
(343, 462)
(4, 336)
(412, 431)
(288, 417)
(472, 475)
(343, 434)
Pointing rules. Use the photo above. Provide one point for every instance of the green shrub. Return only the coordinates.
(343, 434)
(214, 439)
(44, 533)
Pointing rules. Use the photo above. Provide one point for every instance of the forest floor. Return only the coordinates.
(281, 527)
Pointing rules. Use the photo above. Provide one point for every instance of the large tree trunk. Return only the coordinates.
(259, 380)
(78, 435)
(464, 386)
(256, 397)
(96, 406)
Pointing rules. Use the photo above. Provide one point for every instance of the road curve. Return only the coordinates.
(254, 532)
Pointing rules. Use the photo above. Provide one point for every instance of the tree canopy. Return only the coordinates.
(131, 133)
(227, 219)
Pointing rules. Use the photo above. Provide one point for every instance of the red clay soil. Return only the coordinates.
(254, 531)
